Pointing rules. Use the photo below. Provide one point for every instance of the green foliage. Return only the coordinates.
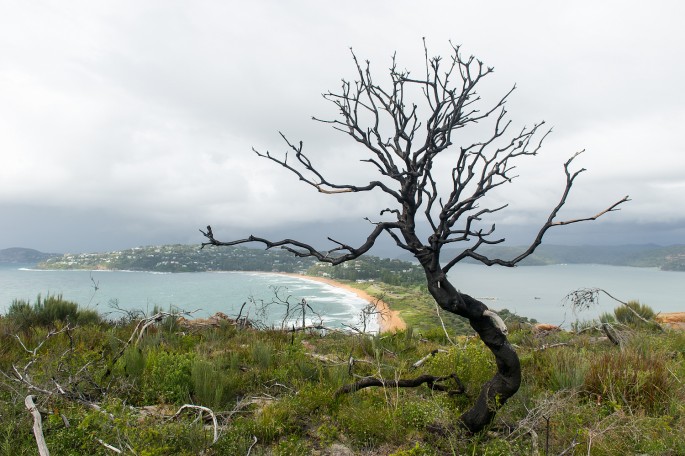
(261, 355)
(639, 381)
(416, 450)
(566, 370)
(279, 388)
(21, 314)
(369, 423)
(216, 385)
(48, 312)
(626, 314)
(167, 377)
(369, 268)
(293, 446)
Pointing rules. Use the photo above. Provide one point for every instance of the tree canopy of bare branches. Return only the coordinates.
(408, 128)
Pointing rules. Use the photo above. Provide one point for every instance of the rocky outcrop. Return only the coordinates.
(672, 320)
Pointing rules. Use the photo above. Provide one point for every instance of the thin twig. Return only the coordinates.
(254, 442)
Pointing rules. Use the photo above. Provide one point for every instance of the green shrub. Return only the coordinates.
(630, 379)
(567, 369)
(167, 377)
(417, 414)
(22, 315)
(262, 355)
(626, 314)
(54, 308)
(215, 386)
(293, 446)
(369, 423)
(133, 362)
(48, 311)
(88, 317)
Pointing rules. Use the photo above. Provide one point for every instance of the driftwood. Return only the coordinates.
(214, 321)
(433, 382)
(37, 426)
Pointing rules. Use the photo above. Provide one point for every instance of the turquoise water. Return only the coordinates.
(539, 291)
(533, 291)
(203, 292)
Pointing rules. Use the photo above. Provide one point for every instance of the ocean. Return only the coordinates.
(532, 291)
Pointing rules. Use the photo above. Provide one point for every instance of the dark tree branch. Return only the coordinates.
(551, 222)
(321, 184)
(301, 249)
(433, 382)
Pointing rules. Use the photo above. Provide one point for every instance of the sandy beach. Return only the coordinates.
(389, 320)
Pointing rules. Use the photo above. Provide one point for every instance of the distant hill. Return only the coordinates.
(182, 258)
(669, 258)
(189, 258)
(19, 255)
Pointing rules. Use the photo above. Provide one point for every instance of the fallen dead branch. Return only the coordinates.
(586, 297)
(546, 346)
(254, 442)
(433, 382)
(37, 426)
(202, 409)
(108, 446)
(427, 357)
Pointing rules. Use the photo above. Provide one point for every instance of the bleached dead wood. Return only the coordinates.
(202, 409)
(108, 446)
(427, 357)
(37, 426)
(546, 346)
(254, 442)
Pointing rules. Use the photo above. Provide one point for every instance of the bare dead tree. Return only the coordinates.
(407, 127)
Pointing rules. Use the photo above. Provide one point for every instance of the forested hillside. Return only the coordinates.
(189, 258)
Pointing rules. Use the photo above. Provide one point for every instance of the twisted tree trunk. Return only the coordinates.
(492, 331)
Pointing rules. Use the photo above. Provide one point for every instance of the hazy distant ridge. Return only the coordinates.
(670, 258)
(20, 255)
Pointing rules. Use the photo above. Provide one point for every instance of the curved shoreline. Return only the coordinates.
(388, 320)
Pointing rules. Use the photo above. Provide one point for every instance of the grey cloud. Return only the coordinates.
(147, 112)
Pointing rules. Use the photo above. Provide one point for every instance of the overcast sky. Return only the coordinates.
(131, 122)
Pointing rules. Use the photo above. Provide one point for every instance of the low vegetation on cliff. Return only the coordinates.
(152, 385)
